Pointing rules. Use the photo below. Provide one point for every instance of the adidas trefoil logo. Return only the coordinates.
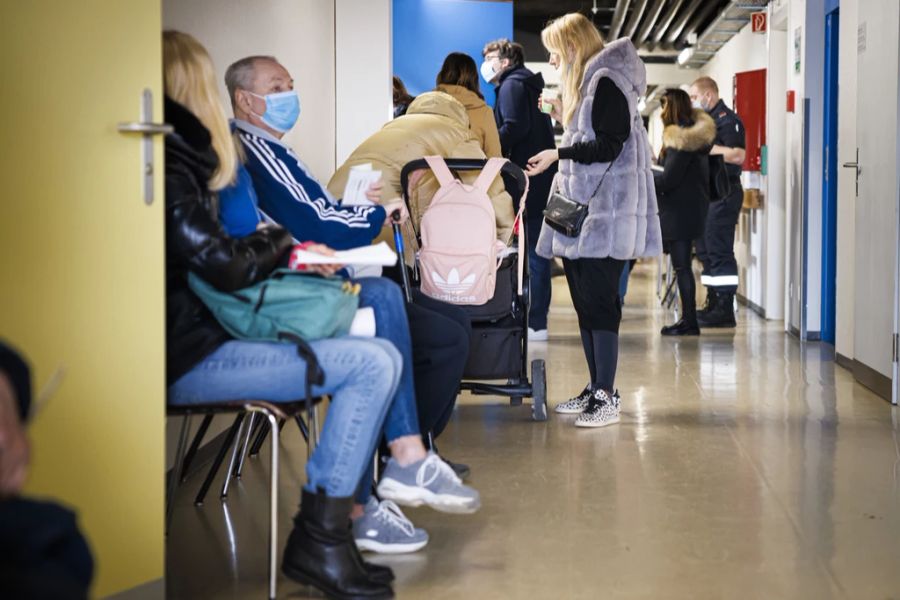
(453, 285)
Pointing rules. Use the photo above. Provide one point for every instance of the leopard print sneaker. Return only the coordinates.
(602, 410)
(576, 405)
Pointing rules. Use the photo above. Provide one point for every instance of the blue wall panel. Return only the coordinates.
(426, 31)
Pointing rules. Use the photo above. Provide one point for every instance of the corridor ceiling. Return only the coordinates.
(660, 29)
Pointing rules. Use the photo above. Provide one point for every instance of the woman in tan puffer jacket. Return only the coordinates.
(434, 124)
(459, 78)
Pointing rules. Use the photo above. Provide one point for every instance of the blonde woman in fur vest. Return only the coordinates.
(683, 191)
(604, 133)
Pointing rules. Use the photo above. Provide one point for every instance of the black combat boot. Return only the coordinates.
(711, 300)
(722, 314)
(321, 552)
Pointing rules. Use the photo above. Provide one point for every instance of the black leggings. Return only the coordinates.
(680, 251)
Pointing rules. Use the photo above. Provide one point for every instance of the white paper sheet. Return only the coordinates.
(379, 254)
(358, 181)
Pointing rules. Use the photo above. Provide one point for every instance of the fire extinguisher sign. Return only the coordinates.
(758, 22)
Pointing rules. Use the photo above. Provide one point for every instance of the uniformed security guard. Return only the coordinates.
(716, 248)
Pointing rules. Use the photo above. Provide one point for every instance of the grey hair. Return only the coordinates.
(240, 74)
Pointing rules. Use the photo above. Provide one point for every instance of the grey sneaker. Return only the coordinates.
(576, 405)
(602, 410)
(431, 482)
(385, 529)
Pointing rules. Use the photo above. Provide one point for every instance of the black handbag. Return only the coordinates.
(719, 181)
(566, 215)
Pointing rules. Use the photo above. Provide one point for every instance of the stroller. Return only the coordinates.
(499, 344)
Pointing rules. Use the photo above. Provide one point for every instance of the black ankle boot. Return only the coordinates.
(682, 327)
(321, 552)
(722, 314)
(711, 301)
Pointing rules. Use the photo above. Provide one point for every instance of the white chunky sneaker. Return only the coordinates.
(537, 335)
(576, 405)
(602, 410)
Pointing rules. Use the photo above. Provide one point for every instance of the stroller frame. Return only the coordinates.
(518, 385)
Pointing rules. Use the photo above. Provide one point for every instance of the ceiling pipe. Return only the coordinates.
(636, 13)
(678, 25)
(649, 22)
(615, 27)
(696, 22)
(666, 21)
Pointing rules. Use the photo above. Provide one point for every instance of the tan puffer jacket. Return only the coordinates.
(435, 124)
(481, 117)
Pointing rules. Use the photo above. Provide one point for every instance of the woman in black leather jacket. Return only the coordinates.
(205, 365)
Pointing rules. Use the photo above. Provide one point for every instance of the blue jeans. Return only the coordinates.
(391, 324)
(539, 275)
(361, 376)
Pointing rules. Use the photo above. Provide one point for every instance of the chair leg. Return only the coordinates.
(304, 429)
(195, 445)
(314, 428)
(232, 463)
(220, 457)
(273, 503)
(261, 435)
(240, 466)
(175, 477)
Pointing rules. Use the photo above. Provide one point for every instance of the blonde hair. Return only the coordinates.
(190, 79)
(572, 32)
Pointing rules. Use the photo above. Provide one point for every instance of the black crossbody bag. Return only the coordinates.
(566, 215)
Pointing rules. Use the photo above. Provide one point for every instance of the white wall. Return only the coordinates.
(774, 214)
(363, 65)
(300, 33)
(846, 217)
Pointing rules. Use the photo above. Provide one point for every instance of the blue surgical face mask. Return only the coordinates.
(282, 110)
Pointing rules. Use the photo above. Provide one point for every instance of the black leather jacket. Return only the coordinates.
(196, 242)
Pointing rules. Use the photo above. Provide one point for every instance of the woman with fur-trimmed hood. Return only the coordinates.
(682, 190)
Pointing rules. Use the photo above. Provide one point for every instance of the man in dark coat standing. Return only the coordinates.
(524, 131)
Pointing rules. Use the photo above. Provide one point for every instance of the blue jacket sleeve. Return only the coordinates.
(290, 196)
(512, 99)
(237, 206)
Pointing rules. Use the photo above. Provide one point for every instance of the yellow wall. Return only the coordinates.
(82, 266)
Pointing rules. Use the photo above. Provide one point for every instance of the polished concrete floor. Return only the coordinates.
(746, 465)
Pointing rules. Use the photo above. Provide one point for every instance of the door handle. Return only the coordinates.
(855, 165)
(146, 128)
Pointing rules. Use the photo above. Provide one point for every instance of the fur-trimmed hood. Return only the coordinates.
(698, 136)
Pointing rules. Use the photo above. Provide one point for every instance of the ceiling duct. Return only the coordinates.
(729, 23)
(695, 23)
(636, 13)
(649, 22)
(678, 26)
(666, 21)
(615, 27)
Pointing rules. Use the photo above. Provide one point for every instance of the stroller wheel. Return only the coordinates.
(539, 388)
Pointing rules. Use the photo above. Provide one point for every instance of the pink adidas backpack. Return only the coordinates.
(458, 259)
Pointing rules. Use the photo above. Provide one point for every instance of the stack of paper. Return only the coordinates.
(379, 254)
(359, 180)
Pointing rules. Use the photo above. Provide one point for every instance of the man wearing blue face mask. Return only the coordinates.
(265, 108)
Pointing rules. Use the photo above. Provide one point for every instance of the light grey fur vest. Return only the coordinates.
(622, 219)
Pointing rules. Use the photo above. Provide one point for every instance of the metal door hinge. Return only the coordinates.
(896, 347)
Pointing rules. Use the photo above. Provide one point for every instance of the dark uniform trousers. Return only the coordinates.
(716, 248)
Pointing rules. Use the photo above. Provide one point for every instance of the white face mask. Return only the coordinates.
(697, 104)
(487, 70)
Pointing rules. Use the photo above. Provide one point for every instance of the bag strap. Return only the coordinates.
(440, 169)
(489, 173)
(314, 373)
(517, 223)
